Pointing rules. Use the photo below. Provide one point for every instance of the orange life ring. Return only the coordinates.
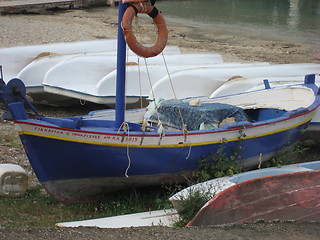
(158, 19)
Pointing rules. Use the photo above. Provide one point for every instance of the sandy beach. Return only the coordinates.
(233, 45)
(81, 25)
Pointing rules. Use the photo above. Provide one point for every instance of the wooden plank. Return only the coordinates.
(18, 6)
(11, 6)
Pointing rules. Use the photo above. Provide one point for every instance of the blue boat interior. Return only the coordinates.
(258, 173)
(260, 114)
(306, 166)
(247, 117)
(86, 124)
(311, 165)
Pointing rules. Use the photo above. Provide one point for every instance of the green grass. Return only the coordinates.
(37, 209)
(10, 140)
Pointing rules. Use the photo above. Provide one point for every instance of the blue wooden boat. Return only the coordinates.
(81, 158)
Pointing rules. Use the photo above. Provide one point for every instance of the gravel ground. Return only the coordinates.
(233, 45)
(257, 231)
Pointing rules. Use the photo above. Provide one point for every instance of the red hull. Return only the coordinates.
(292, 196)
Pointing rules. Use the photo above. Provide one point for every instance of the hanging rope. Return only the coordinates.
(125, 127)
(184, 126)
(161, 131)
(82, 102)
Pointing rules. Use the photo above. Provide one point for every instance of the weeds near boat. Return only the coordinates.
(37, 209)
(215, 166)
(7, 138)
(190, 206)
(287, 155)
(219, 164)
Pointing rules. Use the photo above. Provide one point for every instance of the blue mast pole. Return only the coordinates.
(121, 70)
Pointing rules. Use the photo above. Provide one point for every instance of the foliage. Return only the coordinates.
(190, 207)
(10, 140)
(287, 155)
(217, 165)
(220, 164)
(37, 209)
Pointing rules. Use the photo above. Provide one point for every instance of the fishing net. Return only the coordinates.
(171, 111)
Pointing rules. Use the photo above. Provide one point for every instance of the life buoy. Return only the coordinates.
(158, 19)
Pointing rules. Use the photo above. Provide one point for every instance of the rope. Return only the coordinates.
(189, 152)
(129, 162)
(140, 89)
(125, 127)
(82, 102)
(184, 126)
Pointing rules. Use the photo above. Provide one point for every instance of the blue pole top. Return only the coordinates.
(121, 70)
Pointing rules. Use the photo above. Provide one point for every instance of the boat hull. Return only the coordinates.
(291, 196)
(77, 164)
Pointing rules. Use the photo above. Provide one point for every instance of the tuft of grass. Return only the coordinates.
(11, 140)
(37, 209)
(287, 155)
(190, 206)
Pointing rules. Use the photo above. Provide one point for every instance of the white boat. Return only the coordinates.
(242, 84)
(14, 59)
(205, 81)
(95, 66)
(98, 83)
(164, 218)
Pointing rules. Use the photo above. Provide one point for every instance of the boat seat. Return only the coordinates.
(73, 123)
(297, 111)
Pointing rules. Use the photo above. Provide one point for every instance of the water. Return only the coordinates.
(298, 20)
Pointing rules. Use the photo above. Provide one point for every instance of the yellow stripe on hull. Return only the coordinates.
(158, 146)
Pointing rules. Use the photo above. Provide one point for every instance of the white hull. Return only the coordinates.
(251, 84)
(204, 81)
(165, 218)
(91, 85)
(80, 73)
(14, 59)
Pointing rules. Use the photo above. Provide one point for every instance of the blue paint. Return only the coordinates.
(121, 72)
(64, 161)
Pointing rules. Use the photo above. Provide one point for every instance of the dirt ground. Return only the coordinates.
(233, 45)
(257, 231)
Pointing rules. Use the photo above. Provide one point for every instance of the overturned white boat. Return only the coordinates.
(98, 83)
(30, 63)
(205, 81)
(85, 70)
(14, 59)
